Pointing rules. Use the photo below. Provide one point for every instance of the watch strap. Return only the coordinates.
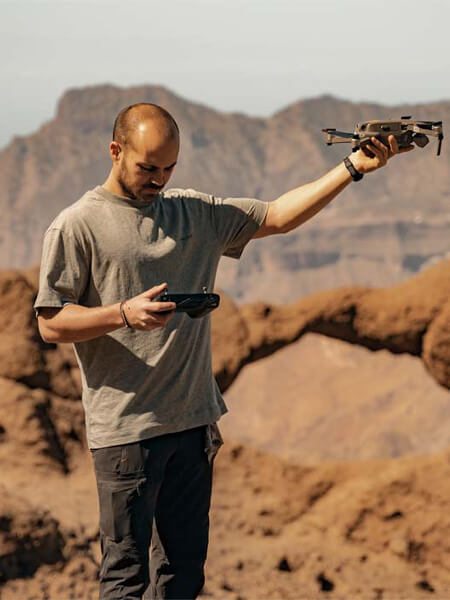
(356, 175)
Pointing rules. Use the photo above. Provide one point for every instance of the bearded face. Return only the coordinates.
(144, 171)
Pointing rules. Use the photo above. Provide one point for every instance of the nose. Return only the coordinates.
(158, 179)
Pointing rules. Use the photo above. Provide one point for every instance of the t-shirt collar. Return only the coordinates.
(124, 200)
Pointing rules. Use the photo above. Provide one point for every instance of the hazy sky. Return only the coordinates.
(252, 56)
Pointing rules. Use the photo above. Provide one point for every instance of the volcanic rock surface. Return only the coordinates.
(411, 317)
(365, 528)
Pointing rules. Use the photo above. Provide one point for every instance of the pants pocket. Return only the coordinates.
(124, 459)
(108, 459)
(134, 459)
(116, 510)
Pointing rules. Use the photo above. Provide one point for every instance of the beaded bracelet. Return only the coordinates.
(122, 312)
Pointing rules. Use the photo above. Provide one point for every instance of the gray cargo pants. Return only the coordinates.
(155, 491)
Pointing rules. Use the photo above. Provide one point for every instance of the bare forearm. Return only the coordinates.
(297, 206)
(75, 323)
(300, 204)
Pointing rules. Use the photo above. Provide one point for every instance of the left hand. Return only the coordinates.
(365, 164)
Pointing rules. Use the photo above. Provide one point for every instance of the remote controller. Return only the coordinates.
(195, 305)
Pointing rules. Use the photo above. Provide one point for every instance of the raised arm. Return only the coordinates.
(295, 207)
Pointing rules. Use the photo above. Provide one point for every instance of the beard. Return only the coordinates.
(127, 186)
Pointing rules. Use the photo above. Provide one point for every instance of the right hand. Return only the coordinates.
(142, 313)
(364, 163)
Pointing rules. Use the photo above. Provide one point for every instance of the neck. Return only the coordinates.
(113, 186)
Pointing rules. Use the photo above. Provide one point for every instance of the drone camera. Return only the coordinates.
(420, 139)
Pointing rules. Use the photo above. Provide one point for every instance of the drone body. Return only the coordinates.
(405, 130)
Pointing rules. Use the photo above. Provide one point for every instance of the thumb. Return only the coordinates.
(154, 291)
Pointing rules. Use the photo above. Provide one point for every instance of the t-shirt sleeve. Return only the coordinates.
(236, 220)
(63, 272)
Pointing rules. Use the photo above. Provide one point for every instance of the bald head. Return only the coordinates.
(140, 117)
(144, 151)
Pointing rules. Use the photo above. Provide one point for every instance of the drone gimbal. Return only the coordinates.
(405, 130)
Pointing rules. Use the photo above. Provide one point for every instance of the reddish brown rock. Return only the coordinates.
(436, 347)
(20, 346)
(395, 318)
(363, 528)
(29, 538)
(39, 429)
(230, 340)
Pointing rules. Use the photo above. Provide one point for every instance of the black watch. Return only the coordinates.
(356, 175)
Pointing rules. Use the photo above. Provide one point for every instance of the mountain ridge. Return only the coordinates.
(233, 154)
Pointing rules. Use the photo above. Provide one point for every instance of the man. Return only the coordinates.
(151, 402)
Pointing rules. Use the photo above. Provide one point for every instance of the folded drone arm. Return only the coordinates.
(332, 136)
(433, 132)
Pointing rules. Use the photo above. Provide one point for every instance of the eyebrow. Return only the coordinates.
(150, 166)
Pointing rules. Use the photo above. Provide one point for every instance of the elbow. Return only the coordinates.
(278, 220)
(49, 326)
(49, 336)
(282, 227)
(48, 333)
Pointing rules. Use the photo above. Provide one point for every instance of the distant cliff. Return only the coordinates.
(377, 232)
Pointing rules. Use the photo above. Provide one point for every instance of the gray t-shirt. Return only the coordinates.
(105, 248)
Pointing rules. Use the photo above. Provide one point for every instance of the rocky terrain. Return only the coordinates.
(411, 317)
(373, 527)
(377, 233)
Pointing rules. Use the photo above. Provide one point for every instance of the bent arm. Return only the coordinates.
(75, 323)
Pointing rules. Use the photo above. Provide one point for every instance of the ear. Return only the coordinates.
(115, 150)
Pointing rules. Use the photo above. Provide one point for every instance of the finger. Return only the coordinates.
(379, 144)
(366, 151)
(165, 311)
(157, 318)
(376, 151)
(154, 291)
(393, 144)
(162, 306)
(158, 321)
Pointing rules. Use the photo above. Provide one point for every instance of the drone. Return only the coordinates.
(406, 131)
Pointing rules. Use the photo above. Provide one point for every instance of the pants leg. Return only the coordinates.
(128, 478)
(181, 521)
(123, 570)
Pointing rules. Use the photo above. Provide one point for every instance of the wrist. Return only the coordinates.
(124, 317)
(355, 158)
(352, 167)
